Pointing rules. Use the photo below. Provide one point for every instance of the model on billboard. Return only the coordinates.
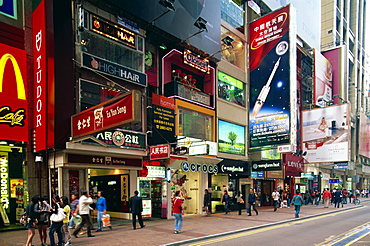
(281, 49)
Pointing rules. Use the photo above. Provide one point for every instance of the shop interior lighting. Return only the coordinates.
(168, 4)
(228, 41)
(201, 24)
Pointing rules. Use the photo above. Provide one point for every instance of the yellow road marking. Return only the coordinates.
(270, 228)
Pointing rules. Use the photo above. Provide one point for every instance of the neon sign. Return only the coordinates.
(4, 182)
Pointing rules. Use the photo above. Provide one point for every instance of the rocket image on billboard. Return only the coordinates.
(264, 92)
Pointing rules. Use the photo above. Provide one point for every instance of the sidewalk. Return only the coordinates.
(159, 232)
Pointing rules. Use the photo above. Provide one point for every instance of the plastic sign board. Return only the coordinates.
(333, 181)
(13, 94)
(159, 152)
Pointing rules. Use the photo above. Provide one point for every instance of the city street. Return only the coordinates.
(316, 226)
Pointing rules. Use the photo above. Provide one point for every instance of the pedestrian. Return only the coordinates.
(101, 206)
(42, 210)
(239, 201)
(288, 198)
(297, 201)
(252, 202)
(326, 197)
(56, 226)
(84, 210)
(306, 197)
(136, 206)
(177, 211)
(337, 198)
(31, 219)
(207, 202)
(275, 196)
(317, 197)
(226, 201)
(73, 205)
(345, 196)
(67, 240)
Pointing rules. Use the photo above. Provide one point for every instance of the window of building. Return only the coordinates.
(195, 124)
(231, 89)
(234, 55)
(233, 13)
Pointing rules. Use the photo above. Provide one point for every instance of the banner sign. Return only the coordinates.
(266, 165)
(293, 163)
(13, 94)
(326, 134)
(110, 114)
(120, 139)
(147, 209)
(323, 80)
(104, 160)
(159, 152)
(271, 53)
(113, 69)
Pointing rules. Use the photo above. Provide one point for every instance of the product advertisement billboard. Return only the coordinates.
(272, 79)
(364, 141)
(326, 134)
(323, 80)
(231, 138)
(336, 57)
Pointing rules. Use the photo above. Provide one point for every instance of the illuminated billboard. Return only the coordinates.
(231, 138)
(326, 133)
(273, 79)
(364, 141)
(323, 80)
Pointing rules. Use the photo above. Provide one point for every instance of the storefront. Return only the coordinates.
(228, 179)
(293, 168)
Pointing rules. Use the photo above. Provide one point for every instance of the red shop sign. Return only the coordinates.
(110, 114)
(159, 152)
(13, 91)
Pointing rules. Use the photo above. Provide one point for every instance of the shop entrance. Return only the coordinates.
(155, 193)
(266, 192)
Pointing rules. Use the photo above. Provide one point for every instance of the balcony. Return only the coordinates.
(187, 92)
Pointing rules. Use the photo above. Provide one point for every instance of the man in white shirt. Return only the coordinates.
(84, 210)
(275, 195)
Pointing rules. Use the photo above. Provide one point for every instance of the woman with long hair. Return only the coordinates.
(56, 226)
(42, 210)
(31, 219)
(177, 211)
(65, 231)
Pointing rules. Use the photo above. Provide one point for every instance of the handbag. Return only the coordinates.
(23, 220)
(59, 216)
(241, 201)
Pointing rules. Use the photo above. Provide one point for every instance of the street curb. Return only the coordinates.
(254, 227)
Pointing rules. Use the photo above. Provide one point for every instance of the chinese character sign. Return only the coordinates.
(160, 152)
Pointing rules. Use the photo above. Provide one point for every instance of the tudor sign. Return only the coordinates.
(110, 114)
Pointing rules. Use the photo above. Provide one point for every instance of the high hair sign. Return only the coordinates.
(13, 94)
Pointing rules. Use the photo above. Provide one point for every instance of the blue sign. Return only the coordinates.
(341, 166)
(258, 175)
(334, 181)
(95, 63)
(9, 8)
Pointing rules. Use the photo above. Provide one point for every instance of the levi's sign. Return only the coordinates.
(266, 165)
(110, 114)
(113, 69)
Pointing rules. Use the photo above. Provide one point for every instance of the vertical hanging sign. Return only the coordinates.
(40, 77)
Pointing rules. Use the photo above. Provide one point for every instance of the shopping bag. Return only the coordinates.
(106, 220)
(77, 220)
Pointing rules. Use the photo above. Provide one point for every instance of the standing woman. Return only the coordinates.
(177, 211)
(101, 206)
(56, 226)
(67, 210)
(207, 202)
(31, 219)
(226, 201)
(239, 201)
(42, 209)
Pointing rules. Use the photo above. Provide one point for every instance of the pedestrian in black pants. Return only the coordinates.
(136, 206)
(252, 202)
(239, 201)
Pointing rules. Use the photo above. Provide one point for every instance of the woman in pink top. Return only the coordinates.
(177, 211)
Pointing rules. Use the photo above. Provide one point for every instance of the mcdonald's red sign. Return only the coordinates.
(13, 94)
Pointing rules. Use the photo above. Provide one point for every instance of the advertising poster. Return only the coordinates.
(323, 80)
(326, 134)
(335, 56)
(147, 209)
(364, 141)
(271, 88)
(231, 138)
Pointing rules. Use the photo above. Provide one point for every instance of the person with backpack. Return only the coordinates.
(297, 201)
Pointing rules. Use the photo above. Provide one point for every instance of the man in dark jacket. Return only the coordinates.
(136, 206)
(252, 202)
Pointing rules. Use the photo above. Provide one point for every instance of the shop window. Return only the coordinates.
(231, 89)
(195, 124)
(232, 12)
(234, 55)
(187, 78)
(112, 51)
(92, 94)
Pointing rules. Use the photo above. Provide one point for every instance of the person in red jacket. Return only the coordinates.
(327, 197)
(177, 211)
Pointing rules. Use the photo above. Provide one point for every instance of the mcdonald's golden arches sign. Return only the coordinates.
(13, 94)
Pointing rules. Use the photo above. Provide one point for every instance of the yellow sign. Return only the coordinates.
(18, 75)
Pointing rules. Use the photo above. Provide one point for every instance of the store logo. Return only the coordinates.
(21, 91)
(4, 183)
(197, 167)
(10, 118)
(118, 138)
(196, 62)
(232, 169)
